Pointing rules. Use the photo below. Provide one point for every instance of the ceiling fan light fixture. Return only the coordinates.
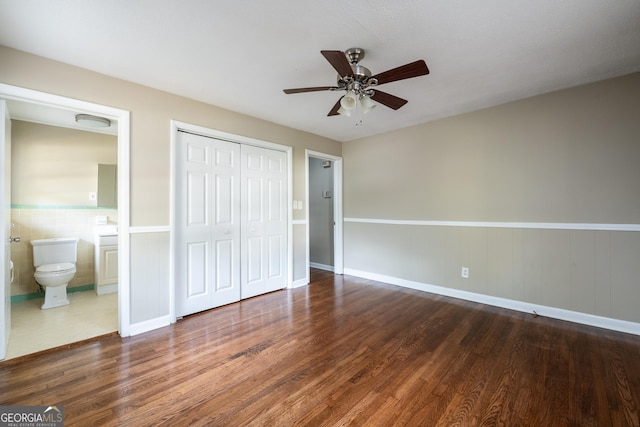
(93, 121)
(349, 101)
(343, 111)
(367, 104)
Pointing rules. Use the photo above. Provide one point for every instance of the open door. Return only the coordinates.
(5, 225)
(335, 194)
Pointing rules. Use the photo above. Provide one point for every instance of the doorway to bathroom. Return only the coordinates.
(47, 203)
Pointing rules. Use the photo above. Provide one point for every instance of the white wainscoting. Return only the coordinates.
(150, 278)
(583, 273)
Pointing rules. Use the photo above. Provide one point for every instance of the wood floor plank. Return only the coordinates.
(342, 351)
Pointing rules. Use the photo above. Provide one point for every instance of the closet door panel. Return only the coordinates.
(253, 275)
(207, 223)
(264, 220)
(275, 254)
(197, 255)
(225, 272)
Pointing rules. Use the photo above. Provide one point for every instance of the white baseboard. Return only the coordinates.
(299, 283)
(541, 310)
(149, 325)
(321, 266)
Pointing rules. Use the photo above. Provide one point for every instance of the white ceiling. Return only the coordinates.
(240, 55)
(55, 116)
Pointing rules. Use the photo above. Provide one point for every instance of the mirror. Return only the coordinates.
(107, 186)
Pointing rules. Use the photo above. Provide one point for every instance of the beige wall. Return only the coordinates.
(571, 156)
(57, 166)
(151, 112)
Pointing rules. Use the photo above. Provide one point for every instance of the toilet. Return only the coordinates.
(55, 263)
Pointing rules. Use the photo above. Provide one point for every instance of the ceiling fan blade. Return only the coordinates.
(407, 71)
(339, 61)
(309, 89)
(389, 100)
(334, 110)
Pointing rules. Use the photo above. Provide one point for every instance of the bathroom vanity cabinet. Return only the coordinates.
(106, 260)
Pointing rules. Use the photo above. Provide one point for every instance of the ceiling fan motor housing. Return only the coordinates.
(360, 78)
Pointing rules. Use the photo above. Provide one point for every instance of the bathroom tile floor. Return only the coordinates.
(88, 315)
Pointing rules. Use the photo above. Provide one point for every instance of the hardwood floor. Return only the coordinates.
(342, 351)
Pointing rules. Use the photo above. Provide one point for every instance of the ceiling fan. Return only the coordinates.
(360, 84)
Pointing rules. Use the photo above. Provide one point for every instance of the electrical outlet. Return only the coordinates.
(465, 272)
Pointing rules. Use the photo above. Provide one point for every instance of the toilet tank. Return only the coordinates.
(53, 251)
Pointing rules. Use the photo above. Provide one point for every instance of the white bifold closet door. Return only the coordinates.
(264, 221)
(231, 222)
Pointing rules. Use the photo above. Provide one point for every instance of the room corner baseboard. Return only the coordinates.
(299, 283)
(321, 266)
(540, 310)
(149, 325)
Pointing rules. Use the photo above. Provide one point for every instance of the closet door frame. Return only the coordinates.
(177, 126)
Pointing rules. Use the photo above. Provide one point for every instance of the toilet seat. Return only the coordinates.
(59, 268)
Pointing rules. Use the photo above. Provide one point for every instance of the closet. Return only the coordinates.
(231, 222)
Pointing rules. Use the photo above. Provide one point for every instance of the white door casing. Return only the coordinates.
(122, 117)
(5, 223)
(338, 238)
(207, 223)
(264, 221)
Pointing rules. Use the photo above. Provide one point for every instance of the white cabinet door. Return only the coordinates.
(207, 223)
(264, 221)
(109, 266)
